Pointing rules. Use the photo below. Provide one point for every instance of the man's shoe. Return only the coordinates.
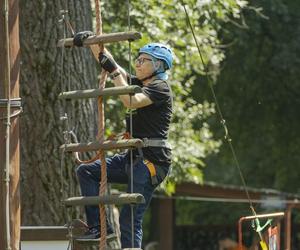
(91, 234)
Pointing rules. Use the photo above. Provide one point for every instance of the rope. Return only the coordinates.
(100, 136)
(223, 122)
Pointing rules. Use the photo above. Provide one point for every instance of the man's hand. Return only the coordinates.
(80, 37)
(107, 62)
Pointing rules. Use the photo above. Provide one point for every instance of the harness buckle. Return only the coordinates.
(146, 142)
(156, 142)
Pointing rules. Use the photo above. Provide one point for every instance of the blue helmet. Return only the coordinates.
(159, 51)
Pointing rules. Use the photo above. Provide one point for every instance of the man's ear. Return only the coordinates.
(157, 64)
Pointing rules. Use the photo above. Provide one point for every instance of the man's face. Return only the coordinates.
(144, 66)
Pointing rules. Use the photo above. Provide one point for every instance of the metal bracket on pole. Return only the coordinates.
(14, 103)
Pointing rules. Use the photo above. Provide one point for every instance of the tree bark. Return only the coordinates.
(45, 72)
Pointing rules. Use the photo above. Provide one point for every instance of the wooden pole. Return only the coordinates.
(101, 39)
(117, 199)
(166, 224)
(288, 227)
(93, 93)
(106, 145)
(13, 53)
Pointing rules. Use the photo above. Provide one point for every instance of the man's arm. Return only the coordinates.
(138, 100)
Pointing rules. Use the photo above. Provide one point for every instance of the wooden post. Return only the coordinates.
(288, 227)
(166, 224)
(14, 58)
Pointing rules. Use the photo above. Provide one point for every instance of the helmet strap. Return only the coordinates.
(153, 74)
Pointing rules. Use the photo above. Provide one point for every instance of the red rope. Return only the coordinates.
(100, 136)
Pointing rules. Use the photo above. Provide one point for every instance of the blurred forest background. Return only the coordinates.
(252, 52)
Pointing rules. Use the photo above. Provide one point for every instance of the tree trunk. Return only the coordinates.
(45, 72)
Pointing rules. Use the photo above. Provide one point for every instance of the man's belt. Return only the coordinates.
(156, 142)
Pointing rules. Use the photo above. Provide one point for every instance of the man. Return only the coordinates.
(151, 120)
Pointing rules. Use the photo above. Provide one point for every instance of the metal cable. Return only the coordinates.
(223, 122)
(61, 115)
(13, 115)
(130, 124)
(8, 125)
(274, 202)
(64, 117)
(227, 136)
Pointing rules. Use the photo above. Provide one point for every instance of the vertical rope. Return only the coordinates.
(100, 136)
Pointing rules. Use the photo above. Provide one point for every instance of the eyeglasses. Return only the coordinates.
(141, 60)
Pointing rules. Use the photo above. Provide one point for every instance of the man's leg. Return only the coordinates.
(89, 178)
(141, 184)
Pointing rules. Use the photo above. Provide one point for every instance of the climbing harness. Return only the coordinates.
(156, 142)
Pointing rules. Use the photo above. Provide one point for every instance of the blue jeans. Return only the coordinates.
(117, 172)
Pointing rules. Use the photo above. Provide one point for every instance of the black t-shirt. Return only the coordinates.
(153, 121)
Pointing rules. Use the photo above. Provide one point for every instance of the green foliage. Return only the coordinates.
(252, 54)
(191, 144)
(189, 212)
(260, 97)
(165, 21)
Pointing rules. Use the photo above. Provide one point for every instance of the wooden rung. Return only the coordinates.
(106, 145)
(130, 249)
(109, 238)
(104, 38)
(117, 199)
(92, 93)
